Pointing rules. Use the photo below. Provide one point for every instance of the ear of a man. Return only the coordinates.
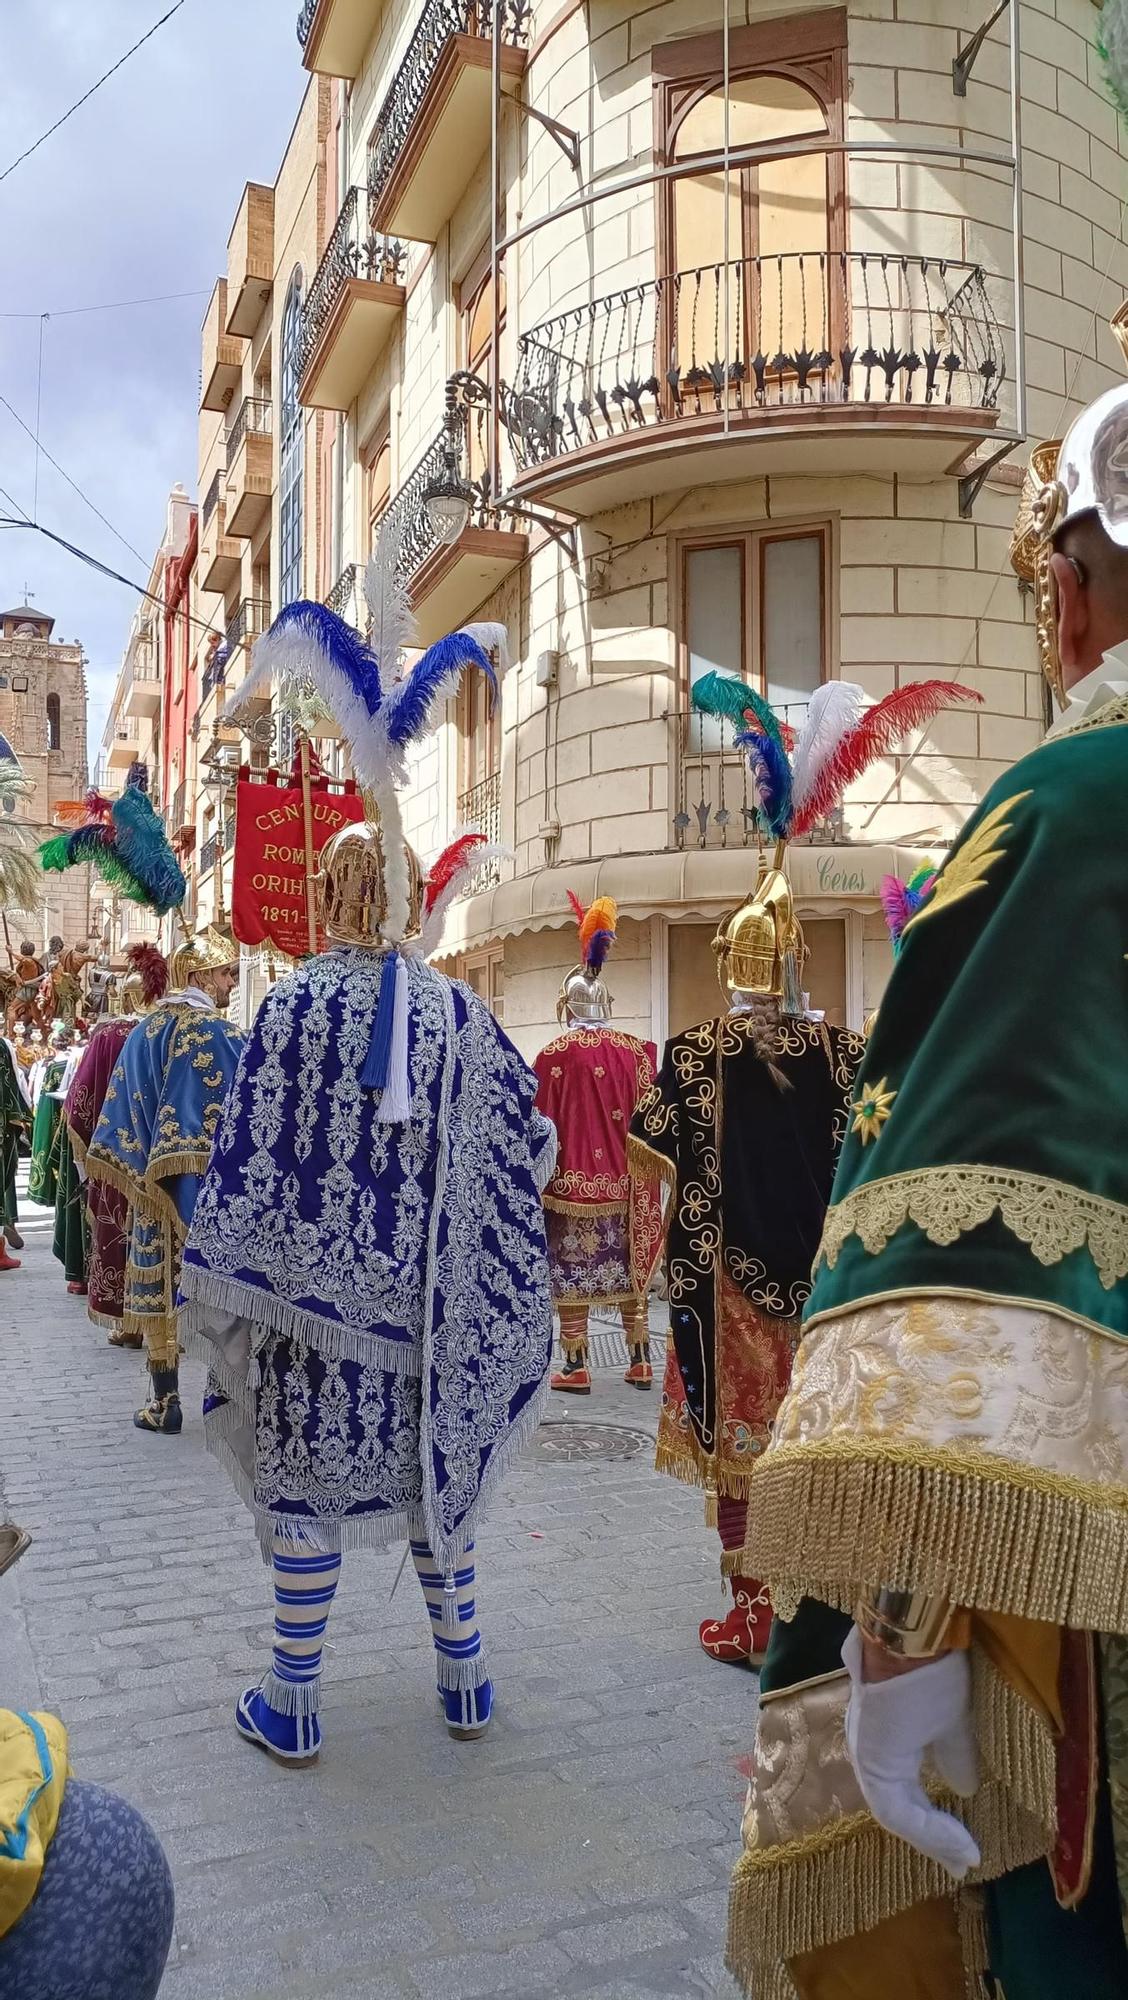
(1073, 618)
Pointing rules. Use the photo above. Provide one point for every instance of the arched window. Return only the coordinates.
(54, 723)
(770, 253)
(291, 450)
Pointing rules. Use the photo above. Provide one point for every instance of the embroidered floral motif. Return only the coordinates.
(872, 1109)
(971, 864)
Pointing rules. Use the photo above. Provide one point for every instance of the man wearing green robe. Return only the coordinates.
(48, 1105)
(940, 1780)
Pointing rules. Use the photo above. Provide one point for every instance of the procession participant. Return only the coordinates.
(153, 1140)
(366, 1273)
(950, 1465)
(47, 1106)
(744, 1124)
(602, 1230)
(106, 1206)
(70, 1241)
(14, 1117)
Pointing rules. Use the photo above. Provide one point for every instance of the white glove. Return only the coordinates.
(890, 1726)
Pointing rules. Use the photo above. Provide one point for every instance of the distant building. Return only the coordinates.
(43, 725)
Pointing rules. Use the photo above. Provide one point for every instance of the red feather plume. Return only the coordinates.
(875, 736)
(97, 807)
(576, 906)
(153, 968)
(448, 864)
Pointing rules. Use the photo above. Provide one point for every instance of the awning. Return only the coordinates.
(682, 885)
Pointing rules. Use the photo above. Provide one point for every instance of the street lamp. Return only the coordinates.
(449, 497)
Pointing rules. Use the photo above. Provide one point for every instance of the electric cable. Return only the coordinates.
(88, 94)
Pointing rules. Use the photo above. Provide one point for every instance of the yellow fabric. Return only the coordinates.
(1027, 1653)
(21, 1775)
(916, 1956)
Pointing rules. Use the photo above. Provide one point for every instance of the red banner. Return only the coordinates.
(268, 894)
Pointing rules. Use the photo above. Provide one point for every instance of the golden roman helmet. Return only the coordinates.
(354, 888)
(760, 948)
(209, 952)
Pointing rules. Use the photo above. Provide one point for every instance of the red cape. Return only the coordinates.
(589, 1081)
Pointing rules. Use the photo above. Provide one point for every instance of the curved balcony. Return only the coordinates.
(855, 362)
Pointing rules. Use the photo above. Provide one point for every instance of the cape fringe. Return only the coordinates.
(337, 1537)
(201, 1290)
(110, 1321)
(598, 1298)
(680, 1462)
(644, 1163)
(851, 1876)
(1016, 1743)
(559, 1207)
(960, 1522)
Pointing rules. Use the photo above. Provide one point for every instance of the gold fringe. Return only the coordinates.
(851, 1876)
(971, 1921)
(99, 1168)
(687, 1462)
(643, 1163)
(710, 1506)
(1015, 1742)
(78, 1148)
(598, 1299)
(961, 1522)
(559, 1207)
(110, 1321)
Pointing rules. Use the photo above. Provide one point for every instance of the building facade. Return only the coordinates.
(43, 726)
(676, 338)
(147, 724)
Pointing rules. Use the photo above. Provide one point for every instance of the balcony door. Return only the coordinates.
(748, 261)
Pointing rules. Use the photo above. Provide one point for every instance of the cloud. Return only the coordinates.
(135, 195)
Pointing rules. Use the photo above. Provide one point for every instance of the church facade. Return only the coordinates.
(43, 726)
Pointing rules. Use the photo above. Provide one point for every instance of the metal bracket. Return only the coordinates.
(563, 532)
(971, 483)
(566, 138)
(964, 62)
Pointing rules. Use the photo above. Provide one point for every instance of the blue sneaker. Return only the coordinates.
(467, 1710)
(293, 1740)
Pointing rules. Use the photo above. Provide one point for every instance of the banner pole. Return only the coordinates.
(307, 825)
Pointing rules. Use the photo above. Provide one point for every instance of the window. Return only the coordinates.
(758, 275)
(377, 479)
(484, 973)
(54, 723)
(479, 743)
(754, 605)
(291, 450)
(476, 302)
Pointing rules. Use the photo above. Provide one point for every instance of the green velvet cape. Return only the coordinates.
(996, 1077)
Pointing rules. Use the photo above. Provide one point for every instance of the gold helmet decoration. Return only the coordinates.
(356, 892)
(583, 994)
(209, 952)
(1084, 473)
(760, 948)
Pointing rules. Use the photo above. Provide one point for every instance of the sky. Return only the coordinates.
(134, 197)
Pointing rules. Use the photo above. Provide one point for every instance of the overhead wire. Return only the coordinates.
(88, 94)
(103, 569)
(73, 483)
(108, 305)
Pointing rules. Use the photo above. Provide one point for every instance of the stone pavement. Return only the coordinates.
(582, 1847)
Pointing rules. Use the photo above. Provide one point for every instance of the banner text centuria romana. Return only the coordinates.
(268, 897)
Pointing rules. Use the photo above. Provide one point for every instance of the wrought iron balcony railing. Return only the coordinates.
(254, 414)
(353, 251)
(419, 538)
(343, 597)
(248, 622)
(305, 21)
(480, 808)
(214, 845)
(439, 20)
(713, 803)
(211, 500)
(805, 329)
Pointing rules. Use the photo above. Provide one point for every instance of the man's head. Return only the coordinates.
(219, 982)
(209, 962)
(1080, 517)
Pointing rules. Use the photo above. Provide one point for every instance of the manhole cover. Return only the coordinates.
(563, 1440)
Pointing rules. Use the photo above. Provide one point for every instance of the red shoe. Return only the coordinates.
(8, 1263)
(741, 1639)
(640, 1375)
(77, 1290)
(574, 1378)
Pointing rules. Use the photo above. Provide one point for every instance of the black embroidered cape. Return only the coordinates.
(751, 1167)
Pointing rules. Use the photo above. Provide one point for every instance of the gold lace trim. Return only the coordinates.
(1050, 1217)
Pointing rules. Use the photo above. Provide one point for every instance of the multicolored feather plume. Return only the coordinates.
(725, 695)
(876, 735)
(771, 781)
(127, 844)
(597, 932)
(448, 876)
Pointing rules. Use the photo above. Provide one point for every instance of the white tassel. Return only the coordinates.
(395, 1098)
(448, 1621)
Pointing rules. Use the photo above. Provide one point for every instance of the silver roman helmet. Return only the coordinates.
(583, 995)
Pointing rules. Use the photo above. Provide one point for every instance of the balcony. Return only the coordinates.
(354, 302)
(124, 750)
(143, 695)
(480, 808)
(246, 625)
(347, 597)
(449, 581)
(221, 357)
(250, 467)
(335, 35)
(854, 363)
(220, 554)
(250, 260)
(434, 124)
(215, 846)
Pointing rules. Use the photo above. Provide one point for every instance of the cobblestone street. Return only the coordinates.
(583, 1847)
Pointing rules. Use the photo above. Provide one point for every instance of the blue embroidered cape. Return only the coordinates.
(372, 1299)
(161, 1109)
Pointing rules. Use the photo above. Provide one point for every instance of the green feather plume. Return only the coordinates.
(1112, 47)
(723, 694)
